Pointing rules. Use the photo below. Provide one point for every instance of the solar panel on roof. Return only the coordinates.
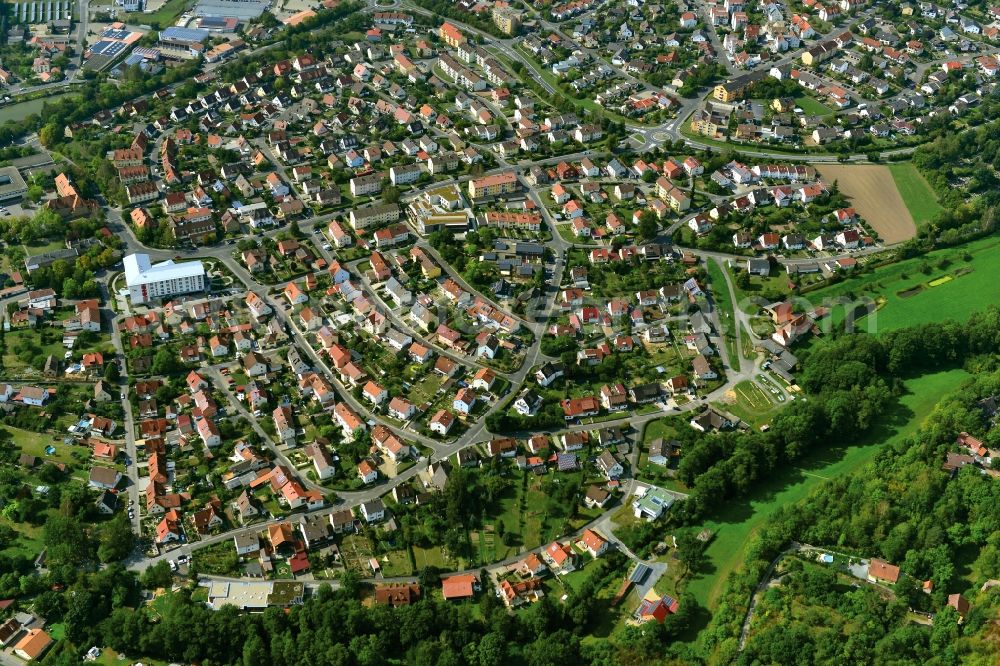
(107, 48)
(640, 574)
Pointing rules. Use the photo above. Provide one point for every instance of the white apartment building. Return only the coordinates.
(148, 282)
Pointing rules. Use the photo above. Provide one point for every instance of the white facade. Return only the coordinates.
(147, 281)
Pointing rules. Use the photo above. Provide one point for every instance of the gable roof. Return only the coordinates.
(459, 587)
(882, 570)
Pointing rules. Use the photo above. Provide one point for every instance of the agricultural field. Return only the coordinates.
(873, 192)
(916, 192)
(741, 519)
(944, 284)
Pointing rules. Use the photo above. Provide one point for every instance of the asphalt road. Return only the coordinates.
(738, 369)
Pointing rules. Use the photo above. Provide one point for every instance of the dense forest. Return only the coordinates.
(902, 507)
(850, 381)
(333, 628)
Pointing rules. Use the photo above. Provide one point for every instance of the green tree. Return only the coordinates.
(116, 539)
(255, 652)
(65, 539)
(158, 575)
(50, 134)
(112, 372)
(165, 362)
(648, 225)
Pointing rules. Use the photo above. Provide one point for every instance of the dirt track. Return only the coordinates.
(873, 194)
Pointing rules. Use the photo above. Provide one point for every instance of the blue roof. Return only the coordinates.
(640, 574)
(566, 461)
(214, 21)
(184, 34)
(108, 49)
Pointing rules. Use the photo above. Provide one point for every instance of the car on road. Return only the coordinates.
(182, 559)
(173, 565)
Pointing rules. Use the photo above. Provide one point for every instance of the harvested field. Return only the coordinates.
(873, 193)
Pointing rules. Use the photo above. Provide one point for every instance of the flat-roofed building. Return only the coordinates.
(148, 281)
(12, 185)
(254, 595)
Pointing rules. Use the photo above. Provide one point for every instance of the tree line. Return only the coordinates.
(850, 382)
(334, 627)
(904, 508)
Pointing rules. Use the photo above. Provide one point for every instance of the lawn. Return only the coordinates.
(29, 539)
(396, 563)
(751, 404)
(904, 293)
(27, 348)
(34, 443)
(916, 192)
(664, 428)
(33, 249)
(720, 295)
(812, 106)
(425, 389)
(527, 524)
(746, 299)
(111, 658)
(166, 15)
(431, 557)
(742, 518)
(57, 631)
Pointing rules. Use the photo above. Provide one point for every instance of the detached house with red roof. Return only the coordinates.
(560, 557)
(463, 586)
(594, 543)
(574, 408)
